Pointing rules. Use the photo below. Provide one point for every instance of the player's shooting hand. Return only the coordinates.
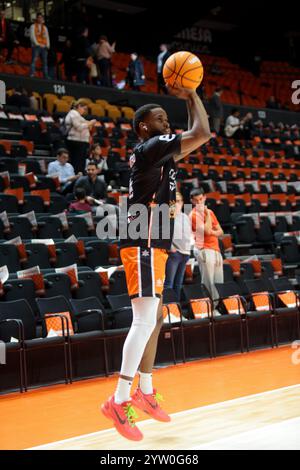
(180, 92)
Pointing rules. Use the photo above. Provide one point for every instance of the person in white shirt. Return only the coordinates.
(234, 126)
(180, 250)
(78, 134)
(61, 168)
(40, 44)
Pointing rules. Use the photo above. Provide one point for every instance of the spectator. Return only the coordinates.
(207, 230)
(104, 52)
(78, 134)
(180, 250)
(93, 185)
(249, 127)
(63, 170)
(81, 204)
(68, 60)
(52, 64)
(233, 124)
(40, 44)
(33, 101)
(215, 69)
(83, 53)
(19, 98)
(161, 59)
(216, 110)
(235, 127)
(272, 103)
(7, 37)
(101, 161)
(135, 72)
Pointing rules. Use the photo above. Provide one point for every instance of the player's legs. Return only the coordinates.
(144, 271)
(144, 311)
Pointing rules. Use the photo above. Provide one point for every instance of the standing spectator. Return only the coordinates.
(180, 250)
(216, 110)
(52, 64)
(161, 59)
(104, 52)
(207, 230)
(68, 60)
(63, 169)
(94, 187)
(7, 37)
(135, 72)
(40, 44)
(78, 134)
(272, 103)
(83, 53)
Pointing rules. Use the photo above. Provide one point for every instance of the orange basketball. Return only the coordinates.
(183, 68)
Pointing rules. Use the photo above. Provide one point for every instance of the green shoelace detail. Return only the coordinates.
(158, 397)
(130, 414)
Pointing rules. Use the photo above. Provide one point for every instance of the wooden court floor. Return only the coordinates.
(212, 402)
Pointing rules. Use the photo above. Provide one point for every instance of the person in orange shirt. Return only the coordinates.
(40, 44)
(206, 230)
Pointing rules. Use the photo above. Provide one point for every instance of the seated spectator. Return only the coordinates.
(97, 157)
(108, 175)
(34, 104)
(63, 169)
(234, 126)
(93, 185)
(81, 204)
(19, 98)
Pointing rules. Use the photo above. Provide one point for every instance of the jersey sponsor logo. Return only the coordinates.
(167, 137)
(172, 177)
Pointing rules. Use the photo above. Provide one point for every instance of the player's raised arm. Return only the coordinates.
(198, 132)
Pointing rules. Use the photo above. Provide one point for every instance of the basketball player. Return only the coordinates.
(152, 183)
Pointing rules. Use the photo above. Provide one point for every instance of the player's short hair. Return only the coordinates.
(141, 113)
(197, 192)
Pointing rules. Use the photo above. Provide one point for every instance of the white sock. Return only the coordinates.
(144, 311)
(146, 383)
(123, 391)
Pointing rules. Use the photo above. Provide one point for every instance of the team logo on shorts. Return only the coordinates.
(145, 253)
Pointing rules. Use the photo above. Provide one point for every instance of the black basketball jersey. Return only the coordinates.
(153, 185)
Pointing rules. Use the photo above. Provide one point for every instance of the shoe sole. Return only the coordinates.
(108, 416)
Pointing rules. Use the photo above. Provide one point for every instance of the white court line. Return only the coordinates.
(179, 413)
(255, 438)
